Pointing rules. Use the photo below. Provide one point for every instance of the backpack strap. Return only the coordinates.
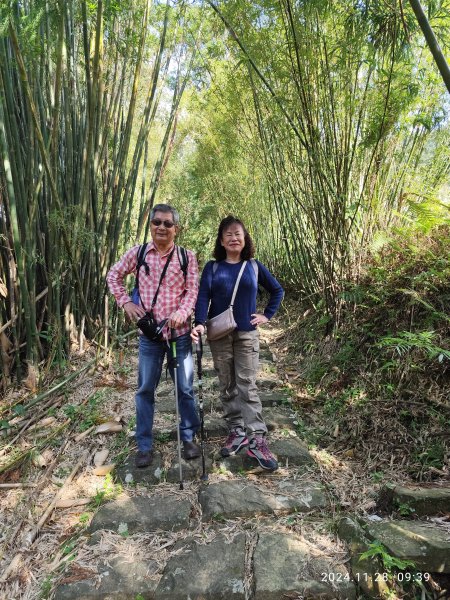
(142, 251)
(183, 259)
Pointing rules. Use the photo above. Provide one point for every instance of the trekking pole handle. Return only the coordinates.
(199, 346)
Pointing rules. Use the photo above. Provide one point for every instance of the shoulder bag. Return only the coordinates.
(224, 323)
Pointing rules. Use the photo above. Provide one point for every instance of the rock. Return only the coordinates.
(364, 571)
(284, 564)
(267, 380)
(215, 570)
(139, 514)
(121, 578)
(129, 474)
(192, 469)
(240, 498)
(280, 419)
(426, 544)
(421, 501)
(215, 426)
(291, 451)
(274, 398)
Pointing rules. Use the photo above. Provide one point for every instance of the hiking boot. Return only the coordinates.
(190, 450)
(143, 459)
(258, 449)
(235, 441)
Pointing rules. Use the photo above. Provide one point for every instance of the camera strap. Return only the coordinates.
(169, 258)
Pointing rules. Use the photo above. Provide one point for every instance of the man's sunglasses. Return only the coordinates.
(158, 222)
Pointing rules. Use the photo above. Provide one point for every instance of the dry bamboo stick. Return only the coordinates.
(51, 506)
(11, 486)
(61, 384)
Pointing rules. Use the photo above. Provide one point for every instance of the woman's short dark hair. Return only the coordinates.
(248, 251)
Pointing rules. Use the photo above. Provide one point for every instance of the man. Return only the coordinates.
(175, 300)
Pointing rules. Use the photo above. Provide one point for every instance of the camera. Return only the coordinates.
(151, 328)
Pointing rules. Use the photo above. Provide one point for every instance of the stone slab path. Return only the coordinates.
(244, 533)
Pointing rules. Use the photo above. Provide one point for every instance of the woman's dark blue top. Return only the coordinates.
(216, 290)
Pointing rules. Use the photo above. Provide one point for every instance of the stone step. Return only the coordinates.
(420, 501)
(424, 543)
(242, 498)
(127, 515)
(271, 565)
(289, 451)
(115, 577)
(213, 570)
(279, 419)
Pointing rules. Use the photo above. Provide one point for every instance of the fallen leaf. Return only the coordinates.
(38, 460)
(69, 502)
(43, 423)
(104, 469)
(109, 427)
(100, 457)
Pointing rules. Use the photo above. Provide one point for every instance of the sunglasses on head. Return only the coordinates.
(158, 222)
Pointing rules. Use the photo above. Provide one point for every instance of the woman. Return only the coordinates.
(236, 356)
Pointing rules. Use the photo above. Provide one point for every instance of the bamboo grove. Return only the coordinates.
(321, 124)
(338, 121)
(81, 138)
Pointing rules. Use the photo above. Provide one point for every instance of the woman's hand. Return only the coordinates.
(133, 311)
(258, 319)
(196, 332)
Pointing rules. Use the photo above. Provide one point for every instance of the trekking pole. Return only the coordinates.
(199, 352)
(173, 346)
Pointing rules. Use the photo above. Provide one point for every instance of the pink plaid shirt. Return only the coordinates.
(175, 294)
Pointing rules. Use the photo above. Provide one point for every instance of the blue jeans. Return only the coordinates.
(151, 357)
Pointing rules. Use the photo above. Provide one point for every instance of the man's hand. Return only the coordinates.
(196, 332)
(258, 319)
(133, 311)
(176, 320)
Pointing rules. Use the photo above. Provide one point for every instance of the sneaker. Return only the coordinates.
(235, 441)
(258, 449)
(143, 459)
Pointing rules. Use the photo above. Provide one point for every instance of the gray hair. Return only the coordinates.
(166, 208)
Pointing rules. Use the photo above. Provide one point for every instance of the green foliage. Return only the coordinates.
(405, 341)
(88, 414)
(107, 492)
(46, 588)
(432, 456)
(377, 550)
(404, 509)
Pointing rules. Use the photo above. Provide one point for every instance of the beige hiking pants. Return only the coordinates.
(236, 360)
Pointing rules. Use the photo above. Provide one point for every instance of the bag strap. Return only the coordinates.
(252, 262)
(169, 258)
(236, 285)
